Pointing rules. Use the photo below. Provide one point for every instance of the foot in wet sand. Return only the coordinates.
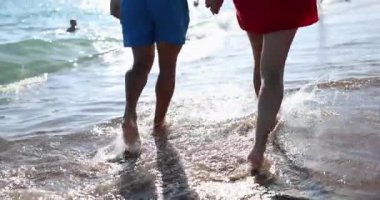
(131, 138)
(256, 161)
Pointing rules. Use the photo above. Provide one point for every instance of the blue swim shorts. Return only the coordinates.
(145, 22)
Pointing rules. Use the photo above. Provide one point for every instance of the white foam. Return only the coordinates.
(207, 35)
(297, 107)
(112, 150)
(24, 84)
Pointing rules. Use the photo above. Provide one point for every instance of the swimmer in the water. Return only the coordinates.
(73, 26)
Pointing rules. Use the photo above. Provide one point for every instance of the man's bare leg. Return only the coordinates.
(276, 46)
(167, 56)
(256, 44)
(135, 81)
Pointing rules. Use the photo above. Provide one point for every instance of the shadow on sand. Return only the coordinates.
(174, 180)
(137, 182)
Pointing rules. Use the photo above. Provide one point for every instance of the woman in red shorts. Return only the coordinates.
(271, 26)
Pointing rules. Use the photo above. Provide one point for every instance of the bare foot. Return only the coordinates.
(131, 137)
(256, 160)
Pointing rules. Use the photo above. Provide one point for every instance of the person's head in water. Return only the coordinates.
(73, 26)
(73, 23)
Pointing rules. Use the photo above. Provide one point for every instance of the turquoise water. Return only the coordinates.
(33, 39)
(62, 95)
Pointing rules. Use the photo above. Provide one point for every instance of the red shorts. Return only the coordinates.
(264, 16)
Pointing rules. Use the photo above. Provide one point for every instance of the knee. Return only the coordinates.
(168, 73)
(272, 79)
(140, 69)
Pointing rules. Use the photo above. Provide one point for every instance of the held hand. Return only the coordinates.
(214, 5)
(115, 8)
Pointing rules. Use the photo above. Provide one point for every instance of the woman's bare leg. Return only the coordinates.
(256, 44)
(276, 46)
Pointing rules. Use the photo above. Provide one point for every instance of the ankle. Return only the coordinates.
(158, 124)
(259, 152)
(158, 120)
(131, 117)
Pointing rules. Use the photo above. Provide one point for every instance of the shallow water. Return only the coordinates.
(62, 95)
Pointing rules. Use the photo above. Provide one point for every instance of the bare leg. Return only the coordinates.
(275, 51)
(135, 81)
(167, 54)
(256, 44)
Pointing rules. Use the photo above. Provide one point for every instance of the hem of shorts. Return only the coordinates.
(156, 42)
(282, 28)
(138, 45)
(178, 43)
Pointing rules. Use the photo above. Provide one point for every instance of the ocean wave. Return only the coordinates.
(25, 83)
(35, 57)
(350, 83)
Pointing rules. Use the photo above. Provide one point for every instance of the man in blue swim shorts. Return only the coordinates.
(146, 25)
